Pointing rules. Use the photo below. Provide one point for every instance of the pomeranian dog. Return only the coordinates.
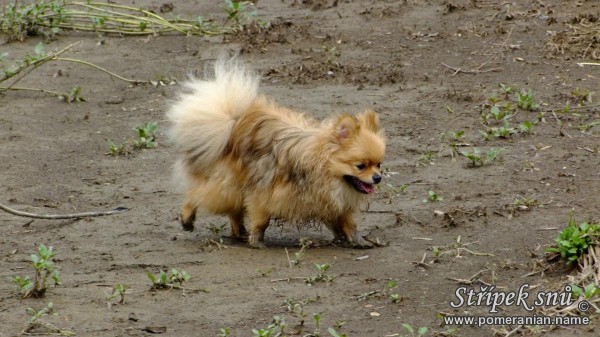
(242, 155)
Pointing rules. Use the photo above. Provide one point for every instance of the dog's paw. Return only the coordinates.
(356, 242)
(256, 242)
(188, 225)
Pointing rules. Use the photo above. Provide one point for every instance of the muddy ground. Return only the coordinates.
(427, 67)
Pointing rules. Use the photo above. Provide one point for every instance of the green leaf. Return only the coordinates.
(39, 50)
(35, 259)
(422, 331)
(332, 332)
(151, 277)
(409, 328)
(163, 277)
(56, 277)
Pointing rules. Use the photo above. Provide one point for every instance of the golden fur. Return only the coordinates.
(242, 155)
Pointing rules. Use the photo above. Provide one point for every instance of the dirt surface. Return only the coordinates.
(427, 67)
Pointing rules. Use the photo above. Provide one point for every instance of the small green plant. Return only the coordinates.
(426, 158)
(573, 241)
(74, 95)
(581, 96)
(44, 269)
(502, 131)
(117, 150)
(322, 275)
(477, 159)
(526, 127)
(37, 324)
(506, 90)
(145, 139)
(146, 136)
(432, 196)
(525, 100)
(296, 309)
(275, 329)
(334, 333)
(224, 332)
(499, 113)
(217, 231)
(331, 54)
(587, 292)
(299, 255)
(317, 318)
(117, 293)
(390, 286)
(586, 127)
(453, 139)
(168, 280)
(526, 203)
(412, 333)
(237, 12)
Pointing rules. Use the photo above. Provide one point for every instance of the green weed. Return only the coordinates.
(118, 294)
(37, 326)
(274, 329)
(587, 292)
(238, 13)
(478, 159)
(426, 158)
(44, 269)
(322, 275)
(573, 241)
(587, 127)
(391, 285)
(173, 279)
(224, 332)
(146, 136)
(454, 140)
(432, 196)
(412, 333)
(117, 150)
(145, 139)
(525, 100)
(581, 96)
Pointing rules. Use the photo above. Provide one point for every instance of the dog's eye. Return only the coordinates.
(379, 165)
(361, 166)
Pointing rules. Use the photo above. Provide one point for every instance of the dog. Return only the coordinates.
(242, 155)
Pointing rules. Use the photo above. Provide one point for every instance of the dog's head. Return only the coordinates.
(360, 150)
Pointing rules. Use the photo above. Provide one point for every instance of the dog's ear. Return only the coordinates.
(345, 128)
(370, 120)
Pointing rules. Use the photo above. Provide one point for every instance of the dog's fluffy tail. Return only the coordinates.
(203, 118)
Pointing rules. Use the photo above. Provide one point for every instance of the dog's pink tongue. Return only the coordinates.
(368, 187)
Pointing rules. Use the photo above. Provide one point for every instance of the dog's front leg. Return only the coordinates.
(259, 221)
(346, 234)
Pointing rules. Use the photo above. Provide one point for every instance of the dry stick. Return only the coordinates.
(34, 65)
(99, 68)
(54, 93)
(62, 216)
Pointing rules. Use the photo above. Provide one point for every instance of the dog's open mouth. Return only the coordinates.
(360, 185)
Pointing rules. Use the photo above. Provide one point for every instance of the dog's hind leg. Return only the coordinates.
(259, 221)
(188, 211)
(236, 220)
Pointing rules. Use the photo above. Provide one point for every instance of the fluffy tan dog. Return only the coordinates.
(242, 155)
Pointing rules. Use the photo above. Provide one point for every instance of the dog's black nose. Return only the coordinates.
(376, 178)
